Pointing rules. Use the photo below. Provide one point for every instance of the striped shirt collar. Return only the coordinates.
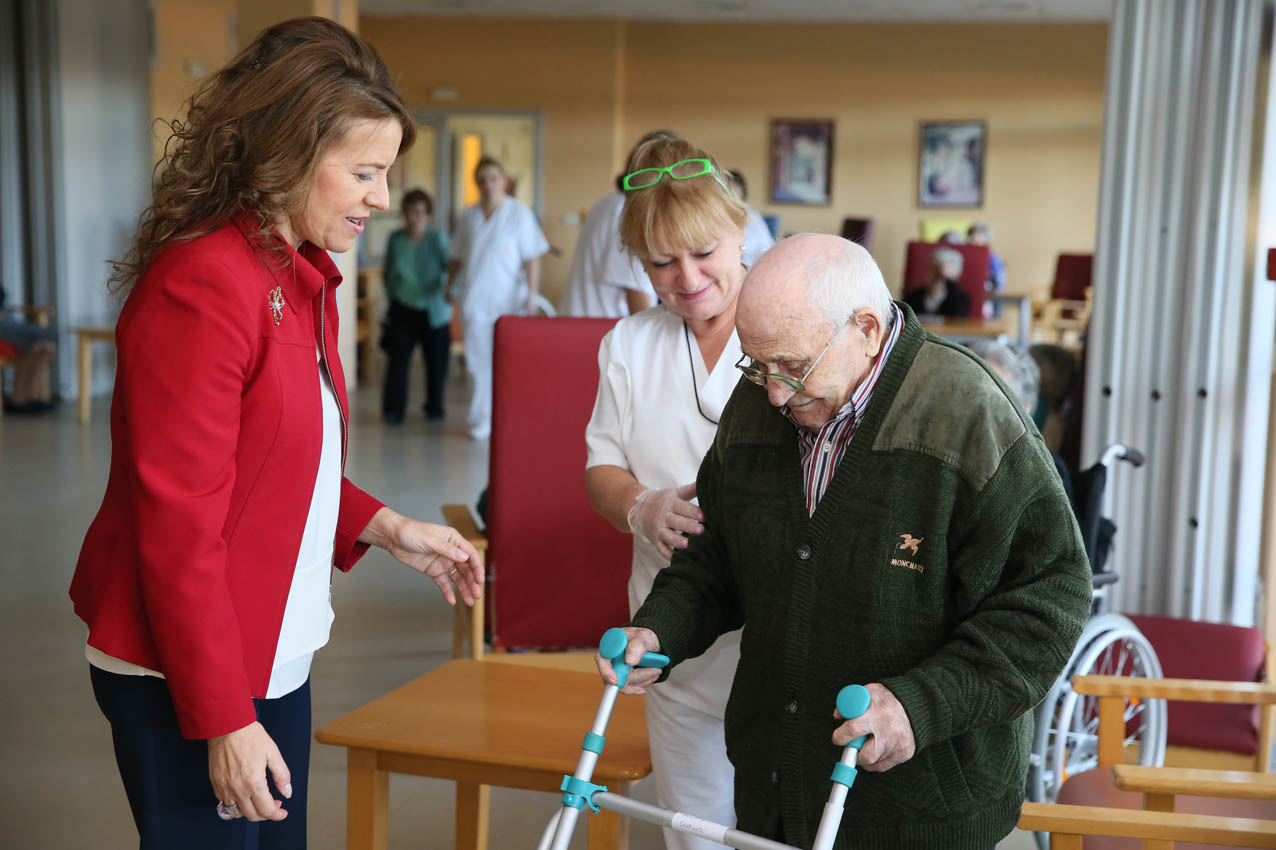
(834, 436)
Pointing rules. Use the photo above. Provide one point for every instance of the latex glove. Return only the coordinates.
(660, 517)
(237, 765)
(640, 641)
(890, 734)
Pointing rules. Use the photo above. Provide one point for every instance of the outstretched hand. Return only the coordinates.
(438, 551)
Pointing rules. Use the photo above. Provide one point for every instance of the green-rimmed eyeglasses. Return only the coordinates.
(645, 178)
(759, 376)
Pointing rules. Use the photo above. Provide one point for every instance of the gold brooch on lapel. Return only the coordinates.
(276, 302)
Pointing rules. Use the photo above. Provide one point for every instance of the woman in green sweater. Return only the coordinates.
(415, 276)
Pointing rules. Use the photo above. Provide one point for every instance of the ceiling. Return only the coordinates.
(757, 10)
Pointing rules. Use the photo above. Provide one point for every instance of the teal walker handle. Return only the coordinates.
(612, 647)
(852, 701)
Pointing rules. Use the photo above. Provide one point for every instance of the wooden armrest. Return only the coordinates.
(1238, 784)
(1188, 690)
(1136, 823)
(41, 315)
(460, 518)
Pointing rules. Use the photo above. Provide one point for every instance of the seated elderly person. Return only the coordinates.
(941, 296)
(32, 346)
(877, 509)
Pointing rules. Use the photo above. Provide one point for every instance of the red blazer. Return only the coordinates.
(216, 428)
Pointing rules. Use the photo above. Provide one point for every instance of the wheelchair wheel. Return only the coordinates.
(1066, 739)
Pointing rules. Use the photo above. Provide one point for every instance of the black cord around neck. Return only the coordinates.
(686, 335)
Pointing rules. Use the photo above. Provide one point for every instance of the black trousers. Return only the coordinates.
(166, 776)
(405, 328)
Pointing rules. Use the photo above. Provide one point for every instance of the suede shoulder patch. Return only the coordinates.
(952, 407)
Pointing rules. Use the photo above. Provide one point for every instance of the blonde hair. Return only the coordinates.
(677, 215)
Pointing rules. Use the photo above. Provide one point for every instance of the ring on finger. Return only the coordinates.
(228, 811)
(451, 572)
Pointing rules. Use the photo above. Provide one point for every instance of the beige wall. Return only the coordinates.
(193, 38)
(566, 70)
(599, 84)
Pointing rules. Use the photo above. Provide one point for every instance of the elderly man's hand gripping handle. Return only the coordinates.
(889, 733)
(641, 662)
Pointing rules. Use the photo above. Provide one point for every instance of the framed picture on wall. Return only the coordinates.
(951, 168)
(801, 161)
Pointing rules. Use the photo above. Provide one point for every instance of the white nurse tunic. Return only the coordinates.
(492, 250)
(646, 420)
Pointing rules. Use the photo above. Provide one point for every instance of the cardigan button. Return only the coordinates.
(791, 707)
(775, 778)
(804, 552)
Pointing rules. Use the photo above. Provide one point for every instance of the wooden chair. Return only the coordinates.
(1225, 799)
(974, 272)
(1213, 735)
(42, 316)
(557, 572)
(1063, 316)
(1070, 826)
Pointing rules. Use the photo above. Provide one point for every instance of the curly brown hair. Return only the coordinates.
(254, 134)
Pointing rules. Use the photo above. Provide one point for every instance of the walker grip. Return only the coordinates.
(852, 701)
(612, 647)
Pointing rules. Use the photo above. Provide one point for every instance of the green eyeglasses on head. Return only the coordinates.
(645, 178)
(755, 373)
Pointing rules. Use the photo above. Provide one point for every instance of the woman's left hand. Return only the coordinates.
(436, 550)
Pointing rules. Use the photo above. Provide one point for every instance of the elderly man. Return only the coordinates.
(877, 510)
(941, 296)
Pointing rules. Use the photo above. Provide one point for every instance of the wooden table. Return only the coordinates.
(85, 337)
(958, 328)
(483, 723)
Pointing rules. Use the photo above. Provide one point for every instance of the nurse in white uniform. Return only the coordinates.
(757, 236)
(606, 281)
(664, 376)
(496, 253)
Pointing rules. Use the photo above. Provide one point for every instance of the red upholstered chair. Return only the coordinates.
(556, 571)
(1221, 736)
(974, 272)
(1215, 794)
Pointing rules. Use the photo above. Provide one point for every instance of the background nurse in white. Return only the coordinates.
(496, 250)
(606, 281)
(664, 376)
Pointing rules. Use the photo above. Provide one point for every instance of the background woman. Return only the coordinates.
(664, 376)
(414, 277)
(205, 577)
(498, 246)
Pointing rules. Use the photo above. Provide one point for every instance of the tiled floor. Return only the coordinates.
(60, 788)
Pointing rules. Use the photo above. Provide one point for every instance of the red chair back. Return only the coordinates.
(1072, 276)
(558, 570)
(974, 270)
(1190, 649)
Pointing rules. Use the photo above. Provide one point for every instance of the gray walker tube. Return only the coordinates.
(852, 701)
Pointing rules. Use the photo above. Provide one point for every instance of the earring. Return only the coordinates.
(741, 247)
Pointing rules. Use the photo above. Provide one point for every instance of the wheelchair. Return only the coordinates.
(1066, 736)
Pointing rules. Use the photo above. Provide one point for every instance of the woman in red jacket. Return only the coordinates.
(205, 578)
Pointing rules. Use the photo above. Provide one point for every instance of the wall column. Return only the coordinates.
(1180, 347)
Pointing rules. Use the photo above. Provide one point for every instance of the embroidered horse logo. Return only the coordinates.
(910, 542)
(276, 302)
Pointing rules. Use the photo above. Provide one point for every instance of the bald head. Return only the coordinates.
(810, 278)
(813, 300)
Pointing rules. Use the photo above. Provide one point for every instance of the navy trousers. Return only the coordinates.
(166, 776)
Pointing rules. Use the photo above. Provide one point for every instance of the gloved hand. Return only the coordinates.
(660, 517)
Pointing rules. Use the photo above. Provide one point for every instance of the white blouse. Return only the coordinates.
(308, 611)
(646, 420)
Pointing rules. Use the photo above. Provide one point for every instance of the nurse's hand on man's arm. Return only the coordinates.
(640, 641)
(662, 516)
(436, 550)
